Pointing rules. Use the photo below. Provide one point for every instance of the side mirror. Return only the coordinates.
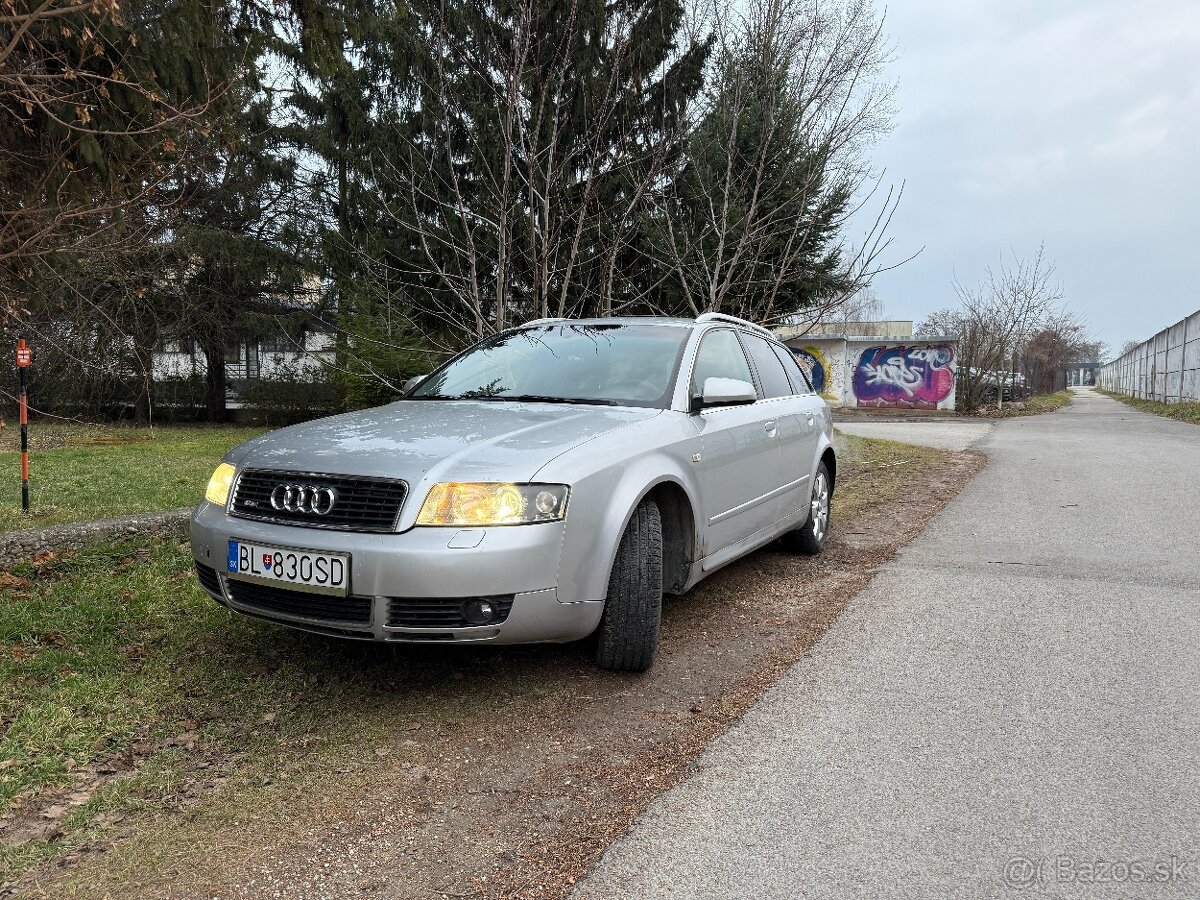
(413, 382)
(726, 392)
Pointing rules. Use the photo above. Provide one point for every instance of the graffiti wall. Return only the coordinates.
(907, 377)
(813, 360)
(905, 373)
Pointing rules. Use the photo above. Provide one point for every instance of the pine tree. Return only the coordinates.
(753, 224)
(240, 271)
(100, 107)
(539, 132)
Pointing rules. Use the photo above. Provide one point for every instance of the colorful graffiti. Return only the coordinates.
(813, 361)
(900, 376)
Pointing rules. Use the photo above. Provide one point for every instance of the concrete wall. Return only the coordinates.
(1164, 368)
(895, 373)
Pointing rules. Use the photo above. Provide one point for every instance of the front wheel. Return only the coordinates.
(810, 537)
(628, 634)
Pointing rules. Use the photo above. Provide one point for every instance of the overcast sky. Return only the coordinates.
(1076, 123)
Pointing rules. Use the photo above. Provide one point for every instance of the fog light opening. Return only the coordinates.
(479, 611)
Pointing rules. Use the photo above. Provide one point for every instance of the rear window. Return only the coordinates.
(770, 370)
(798, 375)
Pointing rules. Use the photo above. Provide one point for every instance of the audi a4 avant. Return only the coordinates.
(551, 482)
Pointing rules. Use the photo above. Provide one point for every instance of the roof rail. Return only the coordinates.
(543, 321)
(721, 317)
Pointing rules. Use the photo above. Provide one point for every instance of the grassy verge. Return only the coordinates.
(1040, 403)
(96, 472)
(133, 706)
(1185, 411)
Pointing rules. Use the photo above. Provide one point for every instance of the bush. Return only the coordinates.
(289, 394)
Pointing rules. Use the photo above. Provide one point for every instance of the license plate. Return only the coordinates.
(302, 570)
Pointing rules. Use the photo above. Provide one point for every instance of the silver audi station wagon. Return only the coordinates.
(551, 482)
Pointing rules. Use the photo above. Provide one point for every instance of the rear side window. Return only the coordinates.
(798, 375)
(770, 370)
(720, 356)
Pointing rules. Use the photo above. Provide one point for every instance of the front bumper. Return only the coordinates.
(422, 564)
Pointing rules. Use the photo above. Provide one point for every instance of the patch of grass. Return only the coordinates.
(1047, 402)
(113, 658)
(96, 472)
(1039, 403)
(1184, 411)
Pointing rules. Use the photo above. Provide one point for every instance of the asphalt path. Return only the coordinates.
(1010, 709)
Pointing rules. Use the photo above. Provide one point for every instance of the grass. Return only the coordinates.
(1041, 403)
(115, 654)
(112, 658)
(1184, 411)
(1035, 405)
(96, 472)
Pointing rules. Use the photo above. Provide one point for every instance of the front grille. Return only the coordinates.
(407, 612)
(207, 576)
(266, 598)
(362, 504)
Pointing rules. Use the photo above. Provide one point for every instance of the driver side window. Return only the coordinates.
(720, 356)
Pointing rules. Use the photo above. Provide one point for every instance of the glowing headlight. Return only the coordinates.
(218, 486)
(466, 504)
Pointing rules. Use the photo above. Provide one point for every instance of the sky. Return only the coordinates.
(1073, 123)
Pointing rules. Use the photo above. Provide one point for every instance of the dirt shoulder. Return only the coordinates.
(493, 772)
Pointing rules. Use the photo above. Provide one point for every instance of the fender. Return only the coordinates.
(600, 508)
(825, 442)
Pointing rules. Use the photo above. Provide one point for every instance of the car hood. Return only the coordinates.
(431, 440)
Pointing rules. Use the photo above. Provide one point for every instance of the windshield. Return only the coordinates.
(607, 364)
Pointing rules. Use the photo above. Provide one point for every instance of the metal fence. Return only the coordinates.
(1165, 368)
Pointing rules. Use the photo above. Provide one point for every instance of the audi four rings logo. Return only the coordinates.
(303, 498)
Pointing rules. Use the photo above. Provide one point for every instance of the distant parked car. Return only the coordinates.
(550, 482)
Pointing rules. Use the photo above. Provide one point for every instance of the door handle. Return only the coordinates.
(769, 426)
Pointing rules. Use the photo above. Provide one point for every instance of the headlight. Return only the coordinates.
(467, 504)
(218, 486)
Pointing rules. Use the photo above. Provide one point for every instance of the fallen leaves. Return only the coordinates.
(9, 580)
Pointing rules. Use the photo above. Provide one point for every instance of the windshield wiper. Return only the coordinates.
(539, 398)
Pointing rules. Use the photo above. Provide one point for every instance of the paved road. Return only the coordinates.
(952, 435)
(1021, 683)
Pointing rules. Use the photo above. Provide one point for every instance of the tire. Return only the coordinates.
(809, 538)
(628, 634)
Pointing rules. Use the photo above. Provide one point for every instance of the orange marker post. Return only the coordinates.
(24, 358)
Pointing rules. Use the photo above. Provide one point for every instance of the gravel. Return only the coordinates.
(19, 546)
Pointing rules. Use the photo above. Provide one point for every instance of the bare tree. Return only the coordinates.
(863, 306)
(756, 223)
(996, 320)
(86, 134)
(535, 145)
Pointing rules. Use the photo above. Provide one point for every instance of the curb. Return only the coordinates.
(20, 546)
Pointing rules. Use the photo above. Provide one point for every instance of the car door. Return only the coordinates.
(739, 450)
(810, 414)
(782, 404)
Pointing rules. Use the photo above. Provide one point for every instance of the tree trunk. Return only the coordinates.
(143, 408)
(214, 384)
